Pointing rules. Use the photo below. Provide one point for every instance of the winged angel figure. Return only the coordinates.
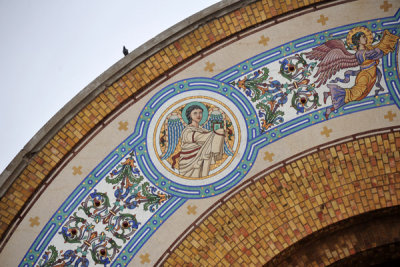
(203, 139)
(333, 57)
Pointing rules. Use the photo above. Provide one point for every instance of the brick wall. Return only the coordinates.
(288, 204)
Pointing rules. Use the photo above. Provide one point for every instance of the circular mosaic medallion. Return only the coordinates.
(196, 138)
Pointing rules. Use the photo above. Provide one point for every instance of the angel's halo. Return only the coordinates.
(366, 31)
(205, 112)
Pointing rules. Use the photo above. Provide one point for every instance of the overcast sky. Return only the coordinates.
(50, 50)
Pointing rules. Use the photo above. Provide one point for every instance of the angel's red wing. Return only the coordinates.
(320, 52)
(334, 57)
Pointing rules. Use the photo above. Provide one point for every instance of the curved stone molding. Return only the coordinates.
(223, 130)
(100, 100)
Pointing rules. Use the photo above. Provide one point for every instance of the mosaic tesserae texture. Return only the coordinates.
(254, 133)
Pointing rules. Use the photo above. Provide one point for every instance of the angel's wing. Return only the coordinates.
(216, 117)
(174, 128)
(227, 149)
(334, 57)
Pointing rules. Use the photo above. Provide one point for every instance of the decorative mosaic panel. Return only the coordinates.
(199, 137)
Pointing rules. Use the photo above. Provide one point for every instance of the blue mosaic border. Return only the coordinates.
(290, 48)
(313, 118)
(390, 64)
(226, 91)
(145, 233)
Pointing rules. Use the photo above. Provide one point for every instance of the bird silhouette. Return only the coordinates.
(125, 51)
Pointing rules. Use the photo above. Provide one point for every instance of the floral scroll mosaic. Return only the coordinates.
(199, 137)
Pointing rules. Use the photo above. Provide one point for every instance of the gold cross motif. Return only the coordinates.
(326, 131)
(191, 209)
(123, 125)
(209, 66)
(34, 221)
(77, 170)
(268, 156)
(390, 115)
(322, 19)
(144, 258)
(264, 40)
(385, 6)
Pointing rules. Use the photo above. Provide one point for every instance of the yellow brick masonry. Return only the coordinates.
(121, 90)
(294, 201)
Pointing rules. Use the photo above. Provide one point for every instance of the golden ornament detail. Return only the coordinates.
(355, 30)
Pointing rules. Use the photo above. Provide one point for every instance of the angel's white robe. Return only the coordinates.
(200, 149)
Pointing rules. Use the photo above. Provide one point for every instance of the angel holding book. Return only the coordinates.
(333, 57)
(197, 140)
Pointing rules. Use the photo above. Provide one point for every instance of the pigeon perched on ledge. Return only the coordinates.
(125, 51)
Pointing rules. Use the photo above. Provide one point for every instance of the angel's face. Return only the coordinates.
(196, 115)
(363, 39)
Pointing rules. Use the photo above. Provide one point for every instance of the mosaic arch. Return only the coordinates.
(175, 154)
(199, 138)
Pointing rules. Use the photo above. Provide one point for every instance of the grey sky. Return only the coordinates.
(50, 50)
